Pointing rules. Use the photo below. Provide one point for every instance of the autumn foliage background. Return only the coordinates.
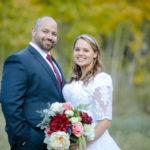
(122, 28)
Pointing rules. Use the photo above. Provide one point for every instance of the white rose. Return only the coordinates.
(56, 107)
(69, 113)
(89, 132)
(75, 120)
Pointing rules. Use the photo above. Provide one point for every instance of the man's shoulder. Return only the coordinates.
(20, 55)
(23, 52)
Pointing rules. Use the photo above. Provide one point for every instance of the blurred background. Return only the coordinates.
(122, 29)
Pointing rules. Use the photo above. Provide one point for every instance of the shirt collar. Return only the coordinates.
(41, 51)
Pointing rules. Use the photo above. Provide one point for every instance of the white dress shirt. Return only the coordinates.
(44, 53)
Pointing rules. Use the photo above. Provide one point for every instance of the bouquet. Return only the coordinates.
(62, 125)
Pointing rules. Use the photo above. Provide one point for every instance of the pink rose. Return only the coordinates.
(77, 129)
(67, 106)
(48, 131)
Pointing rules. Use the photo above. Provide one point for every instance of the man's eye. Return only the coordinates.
(54, 34)
(76, 49)
(45, 31)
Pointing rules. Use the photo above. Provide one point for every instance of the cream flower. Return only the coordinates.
(56, 107)
(69, 113)
(75, 120)
(89, 132)
(59, 140)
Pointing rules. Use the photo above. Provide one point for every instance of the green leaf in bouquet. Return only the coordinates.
(74, 139)
(82, 107)
(80, 143)
(76, 113)
(84, 142)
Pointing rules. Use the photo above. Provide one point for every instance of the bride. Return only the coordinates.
(90, 84)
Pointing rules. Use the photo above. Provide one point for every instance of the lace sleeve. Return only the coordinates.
(102, 98)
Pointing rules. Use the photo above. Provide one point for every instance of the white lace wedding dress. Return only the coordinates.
(98, 92)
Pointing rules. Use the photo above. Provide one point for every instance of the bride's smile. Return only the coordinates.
(84, 55)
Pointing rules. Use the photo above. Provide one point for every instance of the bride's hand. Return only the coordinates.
(88, 143)
(73, 146)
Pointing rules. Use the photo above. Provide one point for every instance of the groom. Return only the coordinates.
(31, 79)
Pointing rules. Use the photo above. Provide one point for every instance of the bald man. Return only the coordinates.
(30, 81)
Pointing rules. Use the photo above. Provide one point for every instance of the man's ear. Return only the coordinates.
(33, 31)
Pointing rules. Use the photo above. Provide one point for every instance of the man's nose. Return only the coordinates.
(49, 36)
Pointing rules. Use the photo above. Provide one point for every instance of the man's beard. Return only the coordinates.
(42, 45)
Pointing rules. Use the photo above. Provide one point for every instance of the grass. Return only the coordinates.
(3, 136)
(131, 131)
(131, 124)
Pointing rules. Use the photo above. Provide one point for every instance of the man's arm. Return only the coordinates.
(13, 90)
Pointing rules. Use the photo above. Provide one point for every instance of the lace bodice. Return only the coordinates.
(98, 92)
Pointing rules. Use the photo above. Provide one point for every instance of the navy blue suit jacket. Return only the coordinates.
(28, 85)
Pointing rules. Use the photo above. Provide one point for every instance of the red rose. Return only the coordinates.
(86, 119)
(59, 123)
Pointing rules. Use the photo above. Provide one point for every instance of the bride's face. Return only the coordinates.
(83, 54)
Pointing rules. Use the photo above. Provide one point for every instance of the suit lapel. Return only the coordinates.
(39, 58)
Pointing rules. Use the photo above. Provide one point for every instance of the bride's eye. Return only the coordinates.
(86, 50)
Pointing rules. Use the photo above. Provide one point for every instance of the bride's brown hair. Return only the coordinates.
(97, 64)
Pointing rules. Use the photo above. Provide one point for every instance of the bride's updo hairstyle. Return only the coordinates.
(97, 64)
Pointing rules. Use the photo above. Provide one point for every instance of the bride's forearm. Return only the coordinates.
(100, 129)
